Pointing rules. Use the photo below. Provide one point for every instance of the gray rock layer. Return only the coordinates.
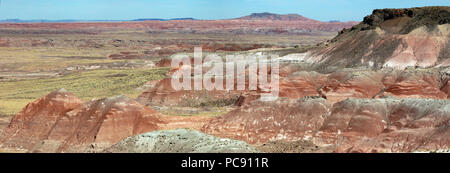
(179, 141)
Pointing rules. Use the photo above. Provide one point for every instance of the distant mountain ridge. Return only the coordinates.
(74, 20)
(37, 21)
(253, 16)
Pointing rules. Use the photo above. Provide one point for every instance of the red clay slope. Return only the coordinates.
(34, 123)
(59, 122)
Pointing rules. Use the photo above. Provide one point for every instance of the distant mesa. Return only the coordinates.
(272, 16)
(60, 122)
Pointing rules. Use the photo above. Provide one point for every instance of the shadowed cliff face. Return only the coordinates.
(390, 38)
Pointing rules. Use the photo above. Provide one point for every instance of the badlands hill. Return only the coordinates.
(324, 107)
(390, 38)
(61, 122)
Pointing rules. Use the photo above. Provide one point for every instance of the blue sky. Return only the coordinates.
(323, 10)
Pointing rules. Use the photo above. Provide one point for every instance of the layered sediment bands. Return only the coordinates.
(179, 141)
(163, 94)
(295, 83)
(188, 122)
(217, 93)
(390, 38)
(60, 122)
(388, 125)
(445, 82)
(259, 122)
(405, 20)
(413, 84)
(362, 117)
(102, 123)
(348, 83)
(446, 89)
(37, 120)
(352, 84)
(352, 125)
(301, 84)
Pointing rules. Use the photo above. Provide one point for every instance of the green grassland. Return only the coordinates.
(87, 85)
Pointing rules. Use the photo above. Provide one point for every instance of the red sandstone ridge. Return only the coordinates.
(390, 38)
(59, 122)
(33, 124)
(101, 123)
(348, 83)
